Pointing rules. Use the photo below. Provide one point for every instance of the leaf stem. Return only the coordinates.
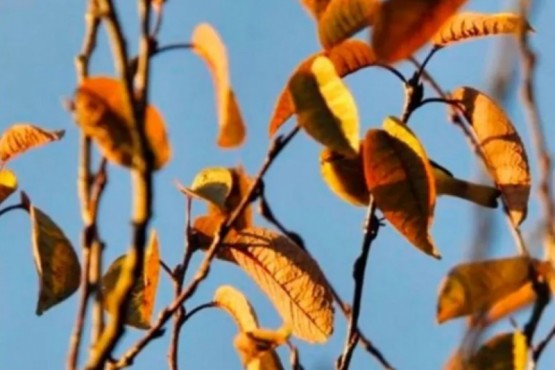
(13, 207)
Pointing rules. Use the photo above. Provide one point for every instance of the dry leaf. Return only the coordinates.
(290, 278)
(347, 57)
(241, 187)
(466, 26)
(503, 149)
(237, 306)
(101, 112)
(473, 288)
(507, 351)
(315, 7)
(212, 184)
(55, 259)
(404, 26)
(21, 137)
(208, 45)
(8, 184)
(255, 347)
(400, 178)
(343, 18)
(143, 295)
(325, 108)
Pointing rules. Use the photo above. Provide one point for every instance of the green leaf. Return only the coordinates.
(212, 184)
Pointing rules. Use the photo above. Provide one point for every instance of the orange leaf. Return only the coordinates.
(504, 351)
(209, 46)
(237, 305)
(256, 347)
(404, 26)
(21, 137)
(315, 7)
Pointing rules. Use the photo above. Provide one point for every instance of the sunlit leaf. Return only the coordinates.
(212, 184)
(400, 178)
(143, 295)
(290, 278)
(236, 304)
(21, 137)
(209, 46)
(325, 108)
(502, 147)
(55, 259)
(101, 112)
(255, 347)
(507, 351)
(467, 26)
(8, 184)
(403, 26)
(315, 7)
(343, 18)
(473, 288)
(242, 184)
(347, 57)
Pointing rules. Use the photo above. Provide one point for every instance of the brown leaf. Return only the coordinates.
(347, 57)
(237, 306)
(400, 178)
(290, 278)
(256, 348)
(143, 295)
(8, 184)
(209, 46)
(404, 26)
(101, 112)
(55, 259)
(504, 152)
(507, 351)
(21, 137)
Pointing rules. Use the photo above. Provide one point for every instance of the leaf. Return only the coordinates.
(241, 187)
(143, 295)
(404, 26)
(255, 347)
(343, 18)
(212, 184)
(22, 137)
(237, 306)
(209, 46)
(290, 278)
(8, 184)
(504, 152)
(473, 288)
(101, 112)
(345, 177)
(400, 178)
(507, 351)
(315, 7)
(347, 57)
(55, 259)
(325, 108)
(468, 26)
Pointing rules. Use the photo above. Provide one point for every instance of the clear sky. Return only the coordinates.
(265, 40)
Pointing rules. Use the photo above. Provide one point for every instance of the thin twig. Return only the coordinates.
(13, 207)
(294, 358)
(170, 47)
(542, 345)
(371, 227)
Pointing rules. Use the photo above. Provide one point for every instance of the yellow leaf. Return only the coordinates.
(237, 305)
(507, 351)
(325, 108)
(473, 288)
(404, 26)
(8, 184)
(343, 18)
(347, 57)
(212, 184)
(100, 111)
(208, 45)
(21, 137)
(143, 295)
(503, 149)
(468, 26)
(55, 259)
(289, 277)
(241, 186)
(400, 178)
(255, 347)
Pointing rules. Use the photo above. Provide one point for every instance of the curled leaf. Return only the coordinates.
(236, 304)
(504, 351)
(209, 46)
(290, 278)
(256, 347)
(467, 26)
(403, 26)
(400, 178)
(504, 152)
(347, 57)
(102, 113)
(325, 108)
(8, 184)
(212, 184)
(55, 259)
(21, 137)
(143, 295)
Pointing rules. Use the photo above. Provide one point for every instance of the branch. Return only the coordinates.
(371, 227)
(541, 346)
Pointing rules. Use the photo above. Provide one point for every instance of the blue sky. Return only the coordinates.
(265, 42)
